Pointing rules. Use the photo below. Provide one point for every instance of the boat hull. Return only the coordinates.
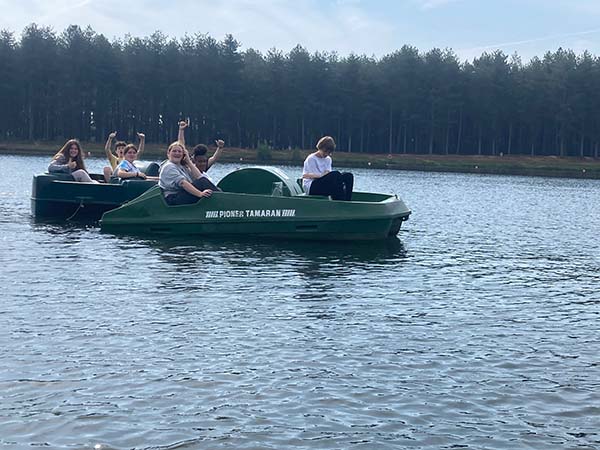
(367, 217)
(58, 197)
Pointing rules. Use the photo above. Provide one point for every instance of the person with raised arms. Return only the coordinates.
(113, 159)
(126, 168)
(180, 180)
(199, 152)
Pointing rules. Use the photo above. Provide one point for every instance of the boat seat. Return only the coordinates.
(152, 169)
(306, 194)
(149, 168)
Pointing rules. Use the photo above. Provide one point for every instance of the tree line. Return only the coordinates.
(79, 84)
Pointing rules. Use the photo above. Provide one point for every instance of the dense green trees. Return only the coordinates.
(78, 84)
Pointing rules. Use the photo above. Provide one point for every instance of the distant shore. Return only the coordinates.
(548, 166)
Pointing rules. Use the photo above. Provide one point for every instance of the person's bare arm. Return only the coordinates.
(124, 174)
(214, 158)
(108, 144)
(187, 162)
(181, 135)
(142, 138)
(314, 176)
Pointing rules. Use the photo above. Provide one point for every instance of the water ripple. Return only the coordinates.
(476, 328)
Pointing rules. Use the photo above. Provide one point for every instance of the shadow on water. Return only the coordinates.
(40, 223)
(243, 250)
(62, 228)
(260, 257)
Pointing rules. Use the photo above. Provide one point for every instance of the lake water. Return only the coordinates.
(478, 328)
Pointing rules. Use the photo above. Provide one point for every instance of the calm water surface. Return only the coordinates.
(478, 328)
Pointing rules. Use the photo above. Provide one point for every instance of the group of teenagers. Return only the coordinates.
(182, 177)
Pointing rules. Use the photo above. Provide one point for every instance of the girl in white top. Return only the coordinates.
(318, 178)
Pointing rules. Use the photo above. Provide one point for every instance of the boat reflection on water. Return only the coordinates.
(62, 232)
(194, 250)
(198, 251)
(189, 269)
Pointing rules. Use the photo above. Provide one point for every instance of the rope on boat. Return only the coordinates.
(81, 205)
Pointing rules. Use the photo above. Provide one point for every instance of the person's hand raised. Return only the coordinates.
(220, 143)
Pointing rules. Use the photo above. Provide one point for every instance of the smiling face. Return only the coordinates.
(175, 153)
(201, 162)
(119, 150)
(73, 151)
(130, 154)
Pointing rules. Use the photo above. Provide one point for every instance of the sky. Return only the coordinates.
(374, 27)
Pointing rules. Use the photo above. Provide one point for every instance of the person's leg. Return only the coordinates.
(107, 173)
(319, 186)
(348, 184)
(330, 184)
(82, 176)
(203, 183)
(185, 198)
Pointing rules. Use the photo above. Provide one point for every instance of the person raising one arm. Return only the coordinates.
(180, 179)
(113, 160)
(200, 151)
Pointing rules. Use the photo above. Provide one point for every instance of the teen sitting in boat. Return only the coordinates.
(69, 160)
(114, 160)
(180, 180)
(199, 157)
(318, 177)
(126, 168)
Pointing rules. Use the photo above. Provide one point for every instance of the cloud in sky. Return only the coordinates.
(343, 25)
(374, 27)
(513, 44)
(52, 11)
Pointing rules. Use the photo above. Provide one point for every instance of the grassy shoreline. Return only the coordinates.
(549, 166)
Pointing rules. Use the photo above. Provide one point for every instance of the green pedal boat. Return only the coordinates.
(60, 197)
(262, 201)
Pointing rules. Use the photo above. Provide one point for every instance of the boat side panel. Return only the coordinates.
(226, 213)
(57, 197)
